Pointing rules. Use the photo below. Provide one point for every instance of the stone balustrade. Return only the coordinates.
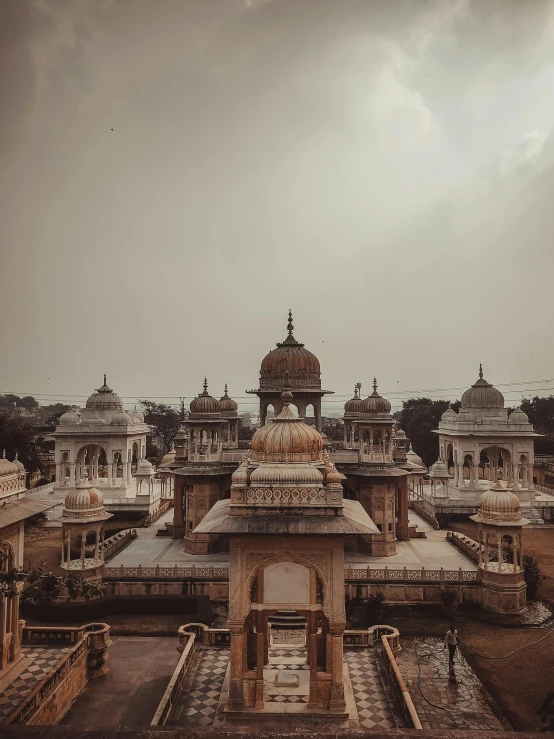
(87, 659)
(118, 541)
(187, 648)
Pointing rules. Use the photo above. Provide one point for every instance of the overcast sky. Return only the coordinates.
(385, 169)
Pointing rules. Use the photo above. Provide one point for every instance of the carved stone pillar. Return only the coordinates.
(337, 703)
(236, 695)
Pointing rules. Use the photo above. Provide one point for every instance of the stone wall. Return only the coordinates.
(51, 710)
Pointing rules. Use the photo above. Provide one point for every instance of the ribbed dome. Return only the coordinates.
(18, 464)
(400, 434)
(144, 467)
(7, 467)
(518, 416)
(449, 414)
(439, 470)
(227, 405)
(499, 504)
(354, 405)
(240, 475)
(290, 356)
(411, 456)
(168, 458)
(204, 403)
(375, 405)
(121, 419)
(482, 395)
(84, 499)
(137, 416)
(70, 417)
(287, 438)
(334, 477)
(286, 474)
(104, 399)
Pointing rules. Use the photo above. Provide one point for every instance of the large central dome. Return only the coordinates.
(104, 399)
(482, 395)
(293, 358)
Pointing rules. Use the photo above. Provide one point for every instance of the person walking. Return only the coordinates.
(451, 641)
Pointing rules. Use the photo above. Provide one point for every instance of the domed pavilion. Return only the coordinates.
(290, 359)
(286, 523)
(99, 442)
(500, 527)
(84, 514)
(482, 443)
(374, 464)
(200, 471)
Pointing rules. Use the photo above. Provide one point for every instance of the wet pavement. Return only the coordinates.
(446, 699)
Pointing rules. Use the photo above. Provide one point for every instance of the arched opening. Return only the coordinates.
(310, 417)
(268, 413)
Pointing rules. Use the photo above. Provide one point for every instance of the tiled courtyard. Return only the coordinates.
(458, 699)
(198, 703)
(24, 676)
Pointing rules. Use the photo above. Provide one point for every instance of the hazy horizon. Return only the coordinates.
(386, 170)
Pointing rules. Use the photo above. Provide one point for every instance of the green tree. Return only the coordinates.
(541, 415)
(418, 418)
(164, 421)
(18, 436)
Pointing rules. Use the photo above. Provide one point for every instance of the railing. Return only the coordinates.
(167, 573)
(207, 635)
(59, 635)
(467, 545)
(352, 574)
(544, 459)
(405, 575)
(177, 679)
(232, 456)
(369, 637)
(118, 541)
(544, 489)
(158, 513)
(344, 456)
(90, 638)
(410, 714)
(47, 488)
(426, 511)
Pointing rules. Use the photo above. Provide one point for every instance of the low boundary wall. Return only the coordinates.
(51, 698)
(386, 636)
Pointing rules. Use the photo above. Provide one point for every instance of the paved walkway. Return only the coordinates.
(140, 670)
(459, 700)
(432, 553)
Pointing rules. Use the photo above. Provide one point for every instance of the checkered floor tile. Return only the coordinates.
(373, 705)
(43, 660)
(286, 699)
(197, 702)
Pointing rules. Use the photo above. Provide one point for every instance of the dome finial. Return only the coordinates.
(286, 395)
(480, 371)
(4, 454)
(225, 388)
(374, 384)
(105, 383)
(205, 384)
(290, 327)
(355, 391)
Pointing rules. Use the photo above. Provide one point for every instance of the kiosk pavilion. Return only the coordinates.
(286, 523)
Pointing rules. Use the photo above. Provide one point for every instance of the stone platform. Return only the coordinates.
(433, 552)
